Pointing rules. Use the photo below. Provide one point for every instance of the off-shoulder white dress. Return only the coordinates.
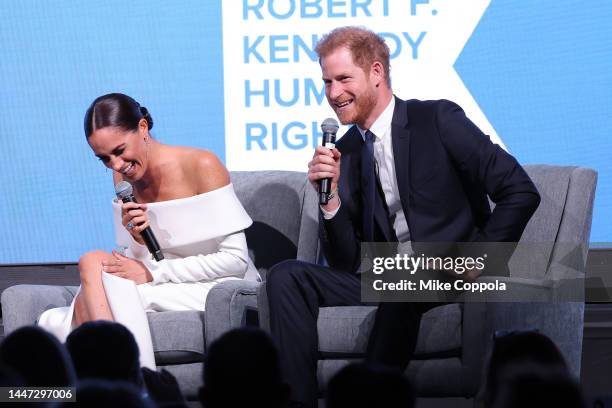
(203, 244)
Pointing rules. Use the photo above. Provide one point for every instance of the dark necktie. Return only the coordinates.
(368, 186)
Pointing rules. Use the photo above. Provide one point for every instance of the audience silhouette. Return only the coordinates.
(242, 370)
(37, 357)
(531, 385)
(516, 348)
(361, 386)
(99, 393)
(105, 350)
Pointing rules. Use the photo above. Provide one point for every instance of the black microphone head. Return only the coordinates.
(123, 189)
(330, 125)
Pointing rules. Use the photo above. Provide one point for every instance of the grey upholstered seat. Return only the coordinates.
(284, 212)
(344, 330)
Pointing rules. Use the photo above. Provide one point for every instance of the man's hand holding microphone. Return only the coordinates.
(324, 168)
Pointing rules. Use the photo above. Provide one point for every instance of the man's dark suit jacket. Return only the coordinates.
(445, 168)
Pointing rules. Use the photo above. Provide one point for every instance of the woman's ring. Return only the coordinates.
(129, 226)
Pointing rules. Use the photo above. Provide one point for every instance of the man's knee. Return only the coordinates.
(284, 275)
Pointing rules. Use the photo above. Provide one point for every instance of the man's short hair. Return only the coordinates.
(365, 47)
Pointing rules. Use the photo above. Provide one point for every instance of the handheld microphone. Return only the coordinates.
(125, 193)
(329, 128)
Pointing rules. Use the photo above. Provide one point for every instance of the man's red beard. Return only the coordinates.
(360, 109)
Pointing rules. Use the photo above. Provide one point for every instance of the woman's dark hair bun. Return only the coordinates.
(146, 116)
(115, 109)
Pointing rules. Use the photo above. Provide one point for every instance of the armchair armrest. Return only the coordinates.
(263, 308)
(23, 304)
(226, 307)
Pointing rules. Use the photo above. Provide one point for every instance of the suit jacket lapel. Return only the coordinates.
(400, 136)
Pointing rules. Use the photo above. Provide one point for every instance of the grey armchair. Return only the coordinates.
(454, 338)
(284, 212)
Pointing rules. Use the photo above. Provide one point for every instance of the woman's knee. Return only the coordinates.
(90, 265)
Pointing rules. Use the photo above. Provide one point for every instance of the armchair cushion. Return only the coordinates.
(344, 331)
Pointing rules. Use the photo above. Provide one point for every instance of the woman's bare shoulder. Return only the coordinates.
(207, 169)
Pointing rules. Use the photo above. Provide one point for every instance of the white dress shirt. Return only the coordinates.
(385, 168)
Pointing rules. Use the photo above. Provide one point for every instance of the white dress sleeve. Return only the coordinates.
(231, 259)
(201, 237)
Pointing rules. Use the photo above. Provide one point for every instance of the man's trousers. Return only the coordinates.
(295, 292)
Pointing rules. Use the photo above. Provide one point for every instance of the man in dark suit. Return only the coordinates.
(408, 171)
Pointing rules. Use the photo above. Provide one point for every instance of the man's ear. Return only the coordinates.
(377, 73)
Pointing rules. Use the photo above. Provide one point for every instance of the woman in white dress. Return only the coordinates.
(185, 196)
